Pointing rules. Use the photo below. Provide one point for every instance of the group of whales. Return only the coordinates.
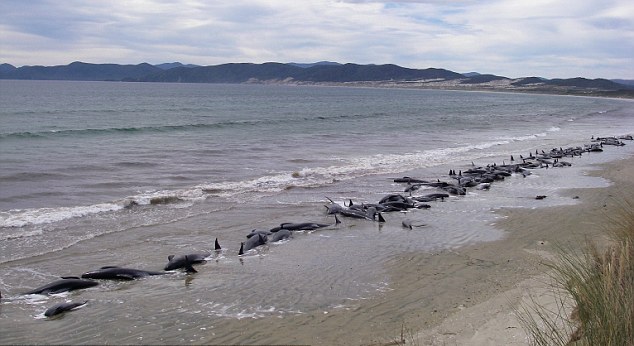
(88, 279)
(479, 177)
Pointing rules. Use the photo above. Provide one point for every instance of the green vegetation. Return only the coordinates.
(597, 286)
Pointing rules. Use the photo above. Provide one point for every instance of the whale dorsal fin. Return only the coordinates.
(381, 219)
(217, 245)
(188, 266)
(241, 252)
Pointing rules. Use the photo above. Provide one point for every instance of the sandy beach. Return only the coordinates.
(477, 289)
(468, 295)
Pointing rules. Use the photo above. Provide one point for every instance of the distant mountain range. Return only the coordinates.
(323, 72)
(79, 71)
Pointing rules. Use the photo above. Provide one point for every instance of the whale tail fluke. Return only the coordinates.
(337, 221)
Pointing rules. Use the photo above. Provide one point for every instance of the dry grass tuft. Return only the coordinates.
(600, 283)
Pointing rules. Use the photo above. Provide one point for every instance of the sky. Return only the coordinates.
(512, 38)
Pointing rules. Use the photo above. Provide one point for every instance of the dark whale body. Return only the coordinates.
(65, 284)
(252, 243)
(303, 226)
(63, 307)
(410, 180)
(258, 231)
(280, 235)
(186, 261)
(431, 197)
(118, 273)
(369, 214)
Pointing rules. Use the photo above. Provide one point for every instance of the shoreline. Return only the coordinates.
(481, 87)
(428, 85)
(467, 295)
(507, 274)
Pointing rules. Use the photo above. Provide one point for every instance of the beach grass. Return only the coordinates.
(594, 291)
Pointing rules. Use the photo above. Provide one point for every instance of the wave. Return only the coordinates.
(32, 176)
(24, 217)
(310, 177)
(182, 127)
(531, 136)
(27, 234)
(351, 168)
(41, 216)
(92, 131)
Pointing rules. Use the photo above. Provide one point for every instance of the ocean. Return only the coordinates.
(125, 174)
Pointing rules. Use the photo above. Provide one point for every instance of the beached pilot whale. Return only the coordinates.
(333, 208)
(280, 235)
(65, 284)
(258, 231)
(186, 261)
(303, 226)
(63, 307)
(118, 273)
(354, 211)
(252, 243)
(369, 214)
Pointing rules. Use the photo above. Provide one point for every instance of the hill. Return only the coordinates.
(170, 65)
(272, 71)
(304, 65)
(79, 71)
(324, 72)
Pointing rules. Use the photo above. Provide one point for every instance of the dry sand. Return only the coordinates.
(494, 279)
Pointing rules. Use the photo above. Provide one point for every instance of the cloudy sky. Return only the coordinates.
(514, 38)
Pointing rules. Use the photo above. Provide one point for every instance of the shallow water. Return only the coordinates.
(227, 159)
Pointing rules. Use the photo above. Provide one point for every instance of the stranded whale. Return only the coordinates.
(252, 243)
(65, 284)
(118, 273)
(186, 261)
(63, 307)
(280, 235)
(303, 226)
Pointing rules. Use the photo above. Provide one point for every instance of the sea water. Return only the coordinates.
(108, 173)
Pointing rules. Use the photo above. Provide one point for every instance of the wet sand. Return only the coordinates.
(492, 280)
(465, 296)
